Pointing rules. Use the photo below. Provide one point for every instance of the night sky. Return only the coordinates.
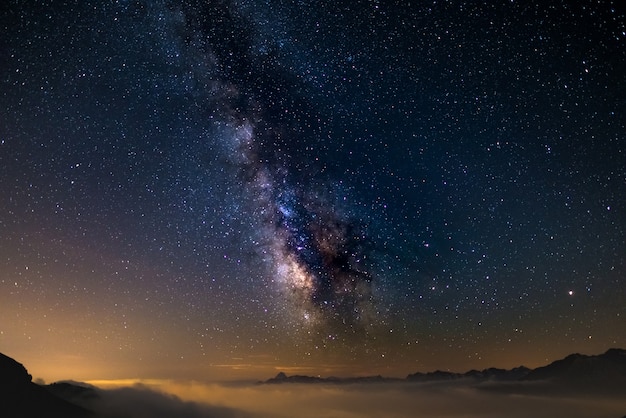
(225, 189)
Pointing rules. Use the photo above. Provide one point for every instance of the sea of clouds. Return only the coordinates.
(165, 399)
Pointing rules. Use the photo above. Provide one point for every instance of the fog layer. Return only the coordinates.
(432, 400)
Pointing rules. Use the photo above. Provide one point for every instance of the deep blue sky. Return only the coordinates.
(215, 189)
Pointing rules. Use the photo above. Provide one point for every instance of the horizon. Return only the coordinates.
(560, 392)
(234, 378)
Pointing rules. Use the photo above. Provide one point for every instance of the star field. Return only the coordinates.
(216, 189)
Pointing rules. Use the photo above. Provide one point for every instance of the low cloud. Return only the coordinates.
(143, 401)
(394, 400)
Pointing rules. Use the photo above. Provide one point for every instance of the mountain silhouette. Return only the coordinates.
(604, 373)
(608, 366)
(21, 398)
(579, 374)
(283, 378)
(600, 373)
(478, 375)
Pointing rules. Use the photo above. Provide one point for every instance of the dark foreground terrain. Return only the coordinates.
(577, 382)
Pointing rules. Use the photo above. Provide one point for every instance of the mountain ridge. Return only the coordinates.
(574, 369)
(576, 374)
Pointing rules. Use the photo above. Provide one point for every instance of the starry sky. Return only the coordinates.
(223, 189)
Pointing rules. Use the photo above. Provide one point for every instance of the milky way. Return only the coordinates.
(316, 248)
(317, 253)
(360, 184)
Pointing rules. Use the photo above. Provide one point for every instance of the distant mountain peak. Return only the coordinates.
(280, 376)
(615, 352)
